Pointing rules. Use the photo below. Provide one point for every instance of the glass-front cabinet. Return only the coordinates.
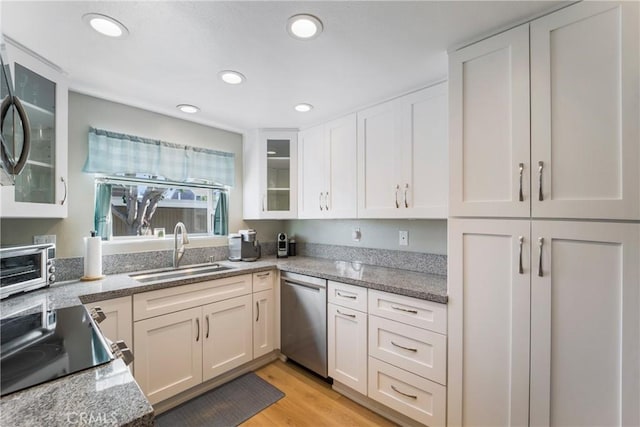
(270, 174)
(41, 189)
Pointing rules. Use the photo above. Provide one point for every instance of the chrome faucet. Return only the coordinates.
(184, 240)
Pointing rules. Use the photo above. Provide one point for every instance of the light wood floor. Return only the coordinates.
(309, 402)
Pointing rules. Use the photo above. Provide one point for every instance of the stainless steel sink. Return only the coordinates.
(178, 273)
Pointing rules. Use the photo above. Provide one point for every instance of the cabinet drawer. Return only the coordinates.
(263, 281)
(409, 394)
(416, 350)
(163, 301)
(412, 311)
(349, 296)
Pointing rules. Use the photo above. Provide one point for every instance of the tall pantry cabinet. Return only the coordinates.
(543, 305)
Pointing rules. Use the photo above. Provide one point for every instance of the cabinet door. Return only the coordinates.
(488, 308)
(228, 336)
(280, 179)
(263, 323)
(379, 157)
(584, 112)
(425, 171)
(347, 346)
(270, 174)
(341, 199)
(489, 127)
(312, 180)
(41, 190)
(585, 327)
(119, 322)
(168, 357)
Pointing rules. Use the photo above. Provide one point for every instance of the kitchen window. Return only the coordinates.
(141, 205)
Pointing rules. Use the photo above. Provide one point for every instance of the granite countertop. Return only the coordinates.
(109, 393)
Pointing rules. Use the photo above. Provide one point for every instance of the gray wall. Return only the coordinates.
(427, 236)
(86, 111)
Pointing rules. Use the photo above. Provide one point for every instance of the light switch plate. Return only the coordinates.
(403, 236)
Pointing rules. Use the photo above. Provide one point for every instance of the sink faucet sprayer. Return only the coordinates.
(184, 240)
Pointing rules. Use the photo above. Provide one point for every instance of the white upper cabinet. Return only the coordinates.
(489, 127)
(327, 179)
(402, 157)
(585, 112)
(578, 154)
(41, 190)
(270, 174)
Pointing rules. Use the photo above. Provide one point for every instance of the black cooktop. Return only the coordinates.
(39, 345)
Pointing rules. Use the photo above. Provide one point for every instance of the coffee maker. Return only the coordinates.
(244, 246)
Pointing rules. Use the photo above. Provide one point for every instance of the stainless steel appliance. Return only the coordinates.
(304, 321)
(283, 245)
(39, 345)
(244, 246)
(15, 130)
(25, 268)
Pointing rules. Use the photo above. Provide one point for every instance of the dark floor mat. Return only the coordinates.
(228, 405)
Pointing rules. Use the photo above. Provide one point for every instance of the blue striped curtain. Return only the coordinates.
(112, 153)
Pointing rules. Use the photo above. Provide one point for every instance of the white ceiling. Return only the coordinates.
(369, 51)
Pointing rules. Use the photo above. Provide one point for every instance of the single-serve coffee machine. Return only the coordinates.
(244, 246)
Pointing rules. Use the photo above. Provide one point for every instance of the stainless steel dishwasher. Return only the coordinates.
(304, 320)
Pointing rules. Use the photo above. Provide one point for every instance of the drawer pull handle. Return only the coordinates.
(520, 195)
(403, 347)
(405, 310)
(520, 268)
(345, 314)
(198, 329)
(540, 243)
(263, 274)
(412, 396)
(346, 296)
(540, 166)
(207, 318)
(258, 310)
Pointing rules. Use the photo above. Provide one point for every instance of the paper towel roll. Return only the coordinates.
(92, 257)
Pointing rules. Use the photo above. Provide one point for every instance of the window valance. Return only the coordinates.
(113, 153)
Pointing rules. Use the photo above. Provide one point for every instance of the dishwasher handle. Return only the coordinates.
(304, 284)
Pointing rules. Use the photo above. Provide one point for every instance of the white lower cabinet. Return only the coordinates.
(347, 346)
(263, 323)
(168, 356)
(408, 356)
(545, 331)
(190, 334)
(118, 325)
(228, 336)
(412, 395)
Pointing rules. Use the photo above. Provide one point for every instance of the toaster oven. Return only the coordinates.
(26, 268)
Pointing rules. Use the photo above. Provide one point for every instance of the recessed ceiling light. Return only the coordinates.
(105, 25)
(304, 27)
(186, 108)
(232, 77)
(303, 108)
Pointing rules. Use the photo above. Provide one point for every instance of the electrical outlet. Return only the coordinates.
(355, 234)
(404, 238)
(44, 238)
